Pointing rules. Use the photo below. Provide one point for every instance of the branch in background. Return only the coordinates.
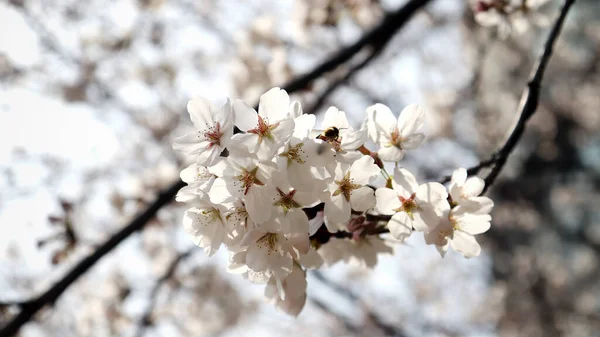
(388, 27)
(528, 106)
(146, 319)
(51, 295)
(387, 329)
(333, 86)
(379, 35)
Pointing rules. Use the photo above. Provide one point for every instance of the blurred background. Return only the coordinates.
(92, 95)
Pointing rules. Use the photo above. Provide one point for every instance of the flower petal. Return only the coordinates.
(362, 199)
(274, 105)
(411, 120)
(404, 182)
(335, 117)
(380, 122)
(245, 117)
(390, 153)
(465, 244)
(364, 170)
(200, 113)
(387, 201)
(400, 226)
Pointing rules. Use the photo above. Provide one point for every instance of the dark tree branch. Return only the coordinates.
(528, 106)
(379, 35)
(146, 319)
(51, 295)
(333, 86)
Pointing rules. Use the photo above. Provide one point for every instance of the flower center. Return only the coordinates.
(239, 214)
(248, 179)
(294, 154)
(263, 128)
(345, 186)
(213, 135)
(396, 139)
(268, 241)
(286, 201)
(211, 214)
(409, 205)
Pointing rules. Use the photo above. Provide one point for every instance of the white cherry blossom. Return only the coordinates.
(459, 228)
(395, 135)
(270, 249)
(207, 226)
(289, 294)
(246, 178)
(199, 180)
(466, 191)
(348, 191)
(348, 140)
(362, 252)
(214, 131)
(411, 205)
(266, 131)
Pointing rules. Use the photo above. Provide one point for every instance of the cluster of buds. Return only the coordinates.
(255, 200)
(508, 15)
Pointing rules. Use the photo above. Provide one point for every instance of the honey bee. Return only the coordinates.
(330, 134)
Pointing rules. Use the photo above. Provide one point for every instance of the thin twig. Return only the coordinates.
(146, 319)
(528, 106)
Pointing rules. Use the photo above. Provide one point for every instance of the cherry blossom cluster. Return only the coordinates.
(250, 191)
(509, 15)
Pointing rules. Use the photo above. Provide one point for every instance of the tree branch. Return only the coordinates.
(528, 106)
(146, 319)
(383, 32)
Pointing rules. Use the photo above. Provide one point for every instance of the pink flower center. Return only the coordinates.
(263, 128)
(213, 135)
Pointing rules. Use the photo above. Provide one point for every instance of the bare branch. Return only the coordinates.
(528, 106)
(146, 319)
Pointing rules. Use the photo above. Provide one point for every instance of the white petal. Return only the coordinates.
(245, 117)
(364, 170)
(352, 140)
(426, 219)
(303, 126)
(242, 143)
(465, 244)
(400, 226)
(191, 143)
(362, 199)
(413, 141)
(387, 201)
(335, 117)
(404, 182)
(473, 187)
(200, 113)
(274, 105)
(459, 176)
(380, 122)
(296, 110)
(431, 192)
(256, 258)
(390, 153)
(259, 202)
(337, 210)
(411, 120)
(225, 116)
(209, 155)
(298, 221)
